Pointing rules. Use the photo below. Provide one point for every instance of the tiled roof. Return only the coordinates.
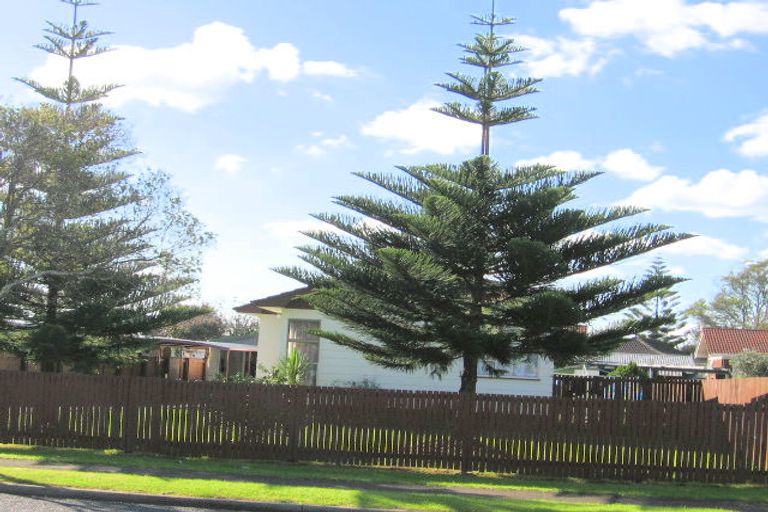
(718, 340)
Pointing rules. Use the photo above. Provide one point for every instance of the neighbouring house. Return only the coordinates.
(286, 321)
(717, 345)
(180, 359)
(658, 359)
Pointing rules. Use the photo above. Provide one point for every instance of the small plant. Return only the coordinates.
(236, 378)
(750, 364)
(292, 369)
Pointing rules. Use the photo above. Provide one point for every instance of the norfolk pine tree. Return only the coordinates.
(661, 304)
(463, 263)
(113, 254)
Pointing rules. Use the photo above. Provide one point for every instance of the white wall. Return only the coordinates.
(338, 365)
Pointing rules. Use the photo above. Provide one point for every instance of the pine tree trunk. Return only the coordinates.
(51, 304)
(469, 375)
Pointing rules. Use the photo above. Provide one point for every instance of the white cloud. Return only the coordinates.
(327, 68)
(324, 145)
(229, 163)
(288, 232)
(560, 56)
(624, 163)
(191, 75)
(565, 160)
(629, 165)
(322, 96)
(668, 27)
(704, 245)
(753, 137)
(422, 129)
(719, 193)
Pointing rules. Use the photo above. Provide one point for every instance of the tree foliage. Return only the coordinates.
(661, 305)
(93, 255)
(629, 370)
(466, 263)
(212, 325)
(750, 364)
(741, 303)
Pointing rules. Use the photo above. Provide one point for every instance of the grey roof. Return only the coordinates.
(622, 358)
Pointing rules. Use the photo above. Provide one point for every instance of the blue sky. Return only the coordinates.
(261, 111)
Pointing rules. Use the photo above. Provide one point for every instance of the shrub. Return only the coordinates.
(750, 364)
(629, 370)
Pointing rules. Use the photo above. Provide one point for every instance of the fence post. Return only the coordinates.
(130, 414)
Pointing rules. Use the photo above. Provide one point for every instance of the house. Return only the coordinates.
(181, 359)
(178, 359)
(285, 322)
(658, 359)
(717, 345)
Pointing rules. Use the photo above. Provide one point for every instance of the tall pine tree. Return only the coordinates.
(661, 305)
(463, 264)
(110, 255)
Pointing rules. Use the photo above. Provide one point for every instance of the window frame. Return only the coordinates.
(289, 340)
(482, 374)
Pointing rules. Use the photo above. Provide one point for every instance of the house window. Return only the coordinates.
(526, 367)
(300, 338)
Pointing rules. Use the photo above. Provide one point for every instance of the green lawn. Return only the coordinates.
(315, 494)
(302, 494)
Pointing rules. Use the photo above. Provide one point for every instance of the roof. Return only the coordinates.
(727, 341)
(231, 347)
(288, 300)
(637, 345)
(645, 360)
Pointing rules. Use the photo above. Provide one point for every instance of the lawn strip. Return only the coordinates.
(391, 476)
(297, 494)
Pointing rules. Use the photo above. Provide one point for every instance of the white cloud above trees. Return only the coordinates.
(669, 27)
(560, 56)
(752, 137)
(623, 163)
(229, 163)
(704, 245)
(720, 193)
(192, 74)
(417, 128)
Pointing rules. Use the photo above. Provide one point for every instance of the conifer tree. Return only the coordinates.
(660, 305)
(111, 254)
(464, 264)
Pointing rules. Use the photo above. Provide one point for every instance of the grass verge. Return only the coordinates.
(416, 477)
(298, 494)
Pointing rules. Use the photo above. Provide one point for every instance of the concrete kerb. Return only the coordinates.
(171, 501)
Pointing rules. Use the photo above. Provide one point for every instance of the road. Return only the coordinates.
(11, 503)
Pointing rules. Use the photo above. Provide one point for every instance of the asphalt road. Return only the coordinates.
(11, 503)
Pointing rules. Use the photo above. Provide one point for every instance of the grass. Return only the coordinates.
(413, 477)
(298, 494)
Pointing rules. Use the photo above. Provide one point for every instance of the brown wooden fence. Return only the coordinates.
(561, 437)
(735, 391)
(664, 389)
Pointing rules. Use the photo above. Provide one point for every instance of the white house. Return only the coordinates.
(286, 319)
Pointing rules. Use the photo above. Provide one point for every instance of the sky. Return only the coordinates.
(261, 111)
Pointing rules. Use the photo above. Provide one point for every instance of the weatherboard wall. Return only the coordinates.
(340, 366)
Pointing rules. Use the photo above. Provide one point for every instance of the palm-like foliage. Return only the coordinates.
(466, 262)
